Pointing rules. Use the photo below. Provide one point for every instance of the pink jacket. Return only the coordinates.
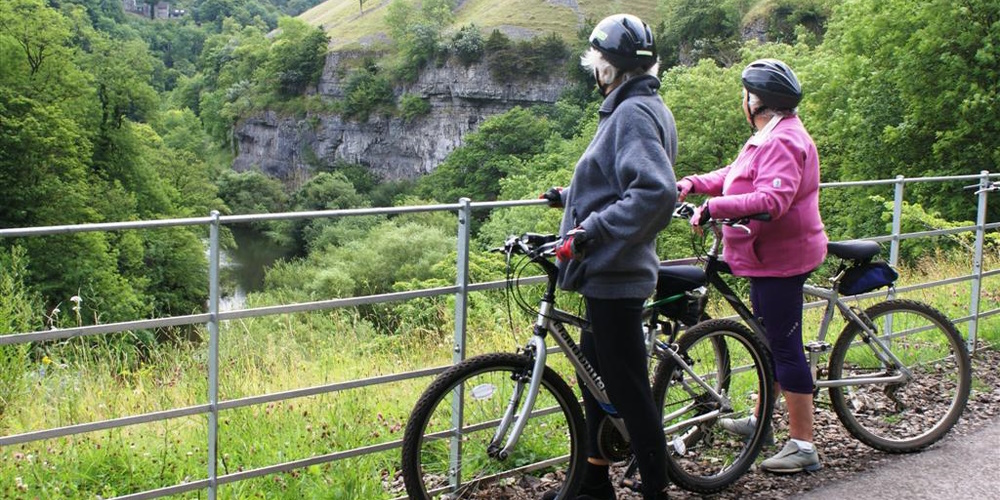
(777, 172)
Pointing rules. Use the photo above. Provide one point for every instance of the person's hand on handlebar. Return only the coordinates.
(554, 196)
(684, 188)
(572, 245)
(700, 216)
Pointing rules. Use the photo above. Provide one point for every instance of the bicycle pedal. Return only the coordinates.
(818, 346)
(632, 484)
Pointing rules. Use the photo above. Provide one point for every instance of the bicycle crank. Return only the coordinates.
(613, 445)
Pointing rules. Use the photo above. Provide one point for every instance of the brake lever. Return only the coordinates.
(740, 225)
(683, 210)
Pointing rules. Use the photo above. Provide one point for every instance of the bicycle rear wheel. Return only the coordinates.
(726, 356)
(899, 417)
(442, 459)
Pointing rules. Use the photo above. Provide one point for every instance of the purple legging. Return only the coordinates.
(779, 302)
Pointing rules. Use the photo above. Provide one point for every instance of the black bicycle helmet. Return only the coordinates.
(625, 41)
(773, 82)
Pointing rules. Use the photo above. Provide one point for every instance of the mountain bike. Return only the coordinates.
(498, 418)
(702, 457)
(899, 373)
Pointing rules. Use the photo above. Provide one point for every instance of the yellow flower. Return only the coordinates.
(46, 360)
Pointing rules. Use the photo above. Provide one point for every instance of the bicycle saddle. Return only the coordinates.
(854, 249)
(673, 280)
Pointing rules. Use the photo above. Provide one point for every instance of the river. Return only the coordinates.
(243, 268)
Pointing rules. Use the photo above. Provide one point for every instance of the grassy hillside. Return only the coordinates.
(349, 28)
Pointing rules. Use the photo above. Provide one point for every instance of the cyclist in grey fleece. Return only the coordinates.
(622, 194)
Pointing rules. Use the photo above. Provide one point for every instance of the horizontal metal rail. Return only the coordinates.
(210, 318)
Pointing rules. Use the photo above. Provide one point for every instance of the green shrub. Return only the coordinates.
(539, 57)
(412, 106)
(468, 44)
(366, 92)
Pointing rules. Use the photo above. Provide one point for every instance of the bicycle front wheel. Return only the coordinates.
(450, 446)
(726, 373)
(907, 415)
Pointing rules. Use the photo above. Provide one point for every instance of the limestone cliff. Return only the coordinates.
(460, 98)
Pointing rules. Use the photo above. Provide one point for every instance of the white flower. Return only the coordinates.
(76, 298)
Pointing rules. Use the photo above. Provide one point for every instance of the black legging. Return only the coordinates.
(616, 349)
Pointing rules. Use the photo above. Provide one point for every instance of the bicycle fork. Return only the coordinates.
(535, 350)
(522, 401)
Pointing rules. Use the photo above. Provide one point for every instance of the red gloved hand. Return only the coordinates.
(572, 245)
(553, 196)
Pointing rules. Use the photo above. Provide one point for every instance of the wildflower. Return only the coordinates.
(46, 360)
(76, 298)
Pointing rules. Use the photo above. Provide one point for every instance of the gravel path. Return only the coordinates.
(843, 457)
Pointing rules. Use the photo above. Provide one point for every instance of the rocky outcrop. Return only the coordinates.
(460, 97)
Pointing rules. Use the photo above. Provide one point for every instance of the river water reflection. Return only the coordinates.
(243, 268)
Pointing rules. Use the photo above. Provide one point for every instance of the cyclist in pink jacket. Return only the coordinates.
(776, 173)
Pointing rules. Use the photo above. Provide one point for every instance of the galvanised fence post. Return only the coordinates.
(461, 317)
(977, 260)
(213, 353)
(462, 278)
(897, 222)
(897, 230)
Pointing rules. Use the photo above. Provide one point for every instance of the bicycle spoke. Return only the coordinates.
(915, 404)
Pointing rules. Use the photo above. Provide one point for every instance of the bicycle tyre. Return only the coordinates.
(556, 430)
(918, 412)
(707, 459)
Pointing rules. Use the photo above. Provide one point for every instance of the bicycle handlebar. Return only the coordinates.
(993, 186)
(684, 210)
(533, 245)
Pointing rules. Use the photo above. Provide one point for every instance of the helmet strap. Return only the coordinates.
(601, 87)
(753, 115)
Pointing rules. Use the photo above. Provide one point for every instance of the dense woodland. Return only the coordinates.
(107, 116)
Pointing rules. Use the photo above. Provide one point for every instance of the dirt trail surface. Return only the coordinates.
(965, 464)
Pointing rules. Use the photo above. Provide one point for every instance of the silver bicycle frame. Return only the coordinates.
(551, 320)
(878, 347)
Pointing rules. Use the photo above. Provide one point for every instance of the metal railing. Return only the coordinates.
(464, 210)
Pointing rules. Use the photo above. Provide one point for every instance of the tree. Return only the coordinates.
(710, 128)
(913, 91)
(296, 57)
(39, 31)
(701, 26)
(468, 44)
(43, 165)
(229, 64)
(122, 72)
(325, 191)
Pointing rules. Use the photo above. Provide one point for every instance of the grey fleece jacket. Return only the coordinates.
(622, 194)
